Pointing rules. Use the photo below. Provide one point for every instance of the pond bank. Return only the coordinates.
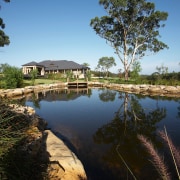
(143, 89)
(152, 90)
(43, 144)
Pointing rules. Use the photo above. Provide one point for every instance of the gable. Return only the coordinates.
(32, 63)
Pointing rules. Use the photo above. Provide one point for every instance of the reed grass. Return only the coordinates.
(158, 160)
(16, 162)
(12, 131)
(175, 152)
(124, 162)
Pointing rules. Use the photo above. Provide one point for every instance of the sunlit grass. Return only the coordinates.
(158, 160)
(41, 81)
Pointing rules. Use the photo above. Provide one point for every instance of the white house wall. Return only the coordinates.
(80, 73)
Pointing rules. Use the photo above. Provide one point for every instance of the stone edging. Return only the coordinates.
(153, 90)
(6, 93)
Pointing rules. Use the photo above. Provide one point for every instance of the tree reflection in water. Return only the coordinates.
(107, 95)
(121, 135)
(103, 150)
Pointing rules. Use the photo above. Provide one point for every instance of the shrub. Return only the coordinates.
(13, 76)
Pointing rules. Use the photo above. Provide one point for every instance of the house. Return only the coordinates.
(59, 66)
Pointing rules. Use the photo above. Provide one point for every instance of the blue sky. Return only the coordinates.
(59, 30)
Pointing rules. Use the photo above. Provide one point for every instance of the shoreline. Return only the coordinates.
(44, 144)
(143, 89)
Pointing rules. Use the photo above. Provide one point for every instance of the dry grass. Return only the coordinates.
(158, 160)
(175, 152)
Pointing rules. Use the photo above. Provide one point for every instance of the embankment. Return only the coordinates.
(144, 89)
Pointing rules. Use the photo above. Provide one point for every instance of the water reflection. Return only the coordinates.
(107, 95)
(102, 126)
(179, 110)
(121, 134)
(58, 95)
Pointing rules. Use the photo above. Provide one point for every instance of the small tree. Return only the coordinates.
(105, 63)
(69, 75)
(163, 70)
(131, 28)
(13, 76)
(86, 64)
(88, 75)
(136, 69)
(33, 74)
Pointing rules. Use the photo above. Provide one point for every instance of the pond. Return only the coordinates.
(101, 126)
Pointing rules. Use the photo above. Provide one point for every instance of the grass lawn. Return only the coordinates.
(49, 81)
(41, 81)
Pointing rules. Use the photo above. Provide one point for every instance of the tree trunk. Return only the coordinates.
(126, 75)
(126, 100)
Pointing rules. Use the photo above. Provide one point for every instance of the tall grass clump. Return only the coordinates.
(12, 128)
(22, 152)
(158, 160)
(174, 151)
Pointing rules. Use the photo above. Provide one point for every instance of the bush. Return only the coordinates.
(13, 77)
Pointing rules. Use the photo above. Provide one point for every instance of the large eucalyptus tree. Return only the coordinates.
(131, 27)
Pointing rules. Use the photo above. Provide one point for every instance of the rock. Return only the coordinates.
(55, 172)
(128, 86)
(28, 90)
(136, 88)
(30, 111)
(66, 161)
(171, 89)
(154, 90)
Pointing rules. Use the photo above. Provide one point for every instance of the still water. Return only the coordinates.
(101, 127)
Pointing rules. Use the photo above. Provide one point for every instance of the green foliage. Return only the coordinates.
(105, 63)
(16, 162)
(11, 132)
(136, 69)
(11, 128)
(162, 69)
(33, 75)
(131, 28)
(88, 75)
(13, 76)
(69, 75)
(4, 39)
(86, 64)
(171, 79)
(107, 95)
